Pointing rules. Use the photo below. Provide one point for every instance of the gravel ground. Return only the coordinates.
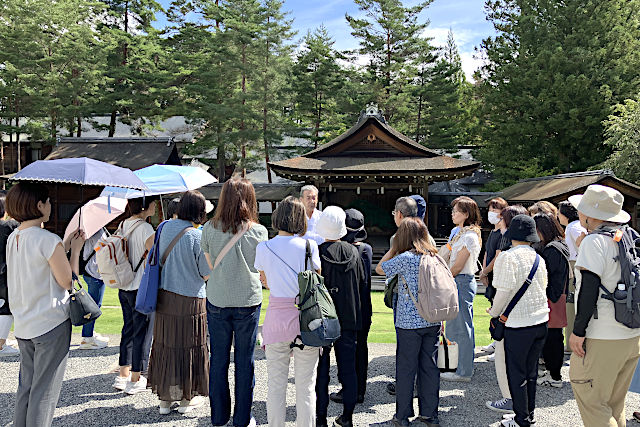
(88, 399)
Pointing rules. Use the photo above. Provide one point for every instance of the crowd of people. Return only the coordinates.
(210, 298)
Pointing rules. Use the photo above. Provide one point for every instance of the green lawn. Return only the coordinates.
(382, 330)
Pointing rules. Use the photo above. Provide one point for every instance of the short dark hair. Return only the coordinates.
(548, 227)
(497, 203)
(192, 207)
(512, 211)
(237, 204)
(470, 207)
(290, 216)
(568, 210)
(3, 198)
(22, 201)
(139, 204)
(172, 207)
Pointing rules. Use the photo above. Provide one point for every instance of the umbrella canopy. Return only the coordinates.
(83, 171)
(164, 179)
(94, 215)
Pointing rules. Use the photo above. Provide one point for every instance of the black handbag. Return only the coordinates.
(497, 324)
(82, 308)
(390, 288)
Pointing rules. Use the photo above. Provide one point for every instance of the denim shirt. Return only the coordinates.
(182, 272)
(406, 313)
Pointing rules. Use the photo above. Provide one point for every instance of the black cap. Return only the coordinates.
(522, 229)
(355, 226)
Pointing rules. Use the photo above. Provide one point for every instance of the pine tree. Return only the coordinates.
(622, 132)
(554, 71)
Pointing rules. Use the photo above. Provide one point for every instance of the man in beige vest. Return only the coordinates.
(605, 352)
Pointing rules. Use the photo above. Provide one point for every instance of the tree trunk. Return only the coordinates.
(18, 141)
(264, 112)
(419, 109)
(79, 132)
(244, 93)
(221, 159)
(112, 124)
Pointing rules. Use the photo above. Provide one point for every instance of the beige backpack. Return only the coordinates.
(437, 290)
(112, 257)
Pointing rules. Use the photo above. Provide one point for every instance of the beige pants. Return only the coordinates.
(601, 379)
(305, 367)
(501, 370)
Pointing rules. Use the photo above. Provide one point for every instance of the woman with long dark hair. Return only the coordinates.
(555, 253)
(234, 298)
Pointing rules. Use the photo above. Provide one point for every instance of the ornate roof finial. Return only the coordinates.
(372, 110)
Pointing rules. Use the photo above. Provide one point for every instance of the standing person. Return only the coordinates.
(543, 207)
(417, 339)
(555, 253)
(179, 362)
(465, 250)
(505, 404)
(309, 198)
(140, 236)
(605, 352)
(344, 278)
(38, 277)
(234, 298)
(172, 208)
(279, 261)
(526, 326)
(574, 233)
(95, 288)
(6, 319)
(356, 234)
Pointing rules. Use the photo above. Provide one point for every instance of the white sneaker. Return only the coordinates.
(548, 381)
(509, 422)
(93, 343)
(165, 407)
(189, 405)
(489, 349)
(452, 376)
(252, 423)
(491, 357)
(137, 387)
(8, 350)
(120, 383)
(541, 372)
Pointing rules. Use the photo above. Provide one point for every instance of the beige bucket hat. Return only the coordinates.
(601, 202)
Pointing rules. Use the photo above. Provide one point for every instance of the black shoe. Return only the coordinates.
(342, 421)
(336, 397)
(426, 421)
(391, 388)
(321, 422)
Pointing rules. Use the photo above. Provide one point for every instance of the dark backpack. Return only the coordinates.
(625, 301)
(319, 325)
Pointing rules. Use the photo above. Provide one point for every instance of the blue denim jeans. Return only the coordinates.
(96, 290)
(460, 329)
(241, 325)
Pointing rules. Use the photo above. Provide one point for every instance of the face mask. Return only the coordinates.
(494, 218)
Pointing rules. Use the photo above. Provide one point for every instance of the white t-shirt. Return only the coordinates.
(282, 280)
(311, 228)
(572, 232)
(136, 240)
(597, 253)
(38, 303)
(470, 241)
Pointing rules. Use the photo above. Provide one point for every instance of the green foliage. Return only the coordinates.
(553, 71)
(622, 132)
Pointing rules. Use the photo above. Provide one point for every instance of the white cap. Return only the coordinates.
(331, 224)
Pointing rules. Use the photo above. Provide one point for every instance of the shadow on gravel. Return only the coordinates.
(113, 416)
(74, 351)
(94, 387)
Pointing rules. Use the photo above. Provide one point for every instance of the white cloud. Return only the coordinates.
(470, 63)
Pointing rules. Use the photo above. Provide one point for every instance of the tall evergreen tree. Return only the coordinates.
(554, 70)
(622, 132)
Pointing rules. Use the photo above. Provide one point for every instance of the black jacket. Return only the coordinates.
(556, 258)
(6, 228)
(344, 277)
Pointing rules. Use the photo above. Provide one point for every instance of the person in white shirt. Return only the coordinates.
(573, 234)
(526, 325)
(38, 278)
(309, 198)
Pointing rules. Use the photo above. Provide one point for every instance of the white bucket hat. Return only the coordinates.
(331, 224)
(601, 202)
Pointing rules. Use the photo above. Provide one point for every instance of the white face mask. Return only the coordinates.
(494, 218)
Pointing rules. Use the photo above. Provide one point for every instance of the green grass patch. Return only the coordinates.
(382, 329)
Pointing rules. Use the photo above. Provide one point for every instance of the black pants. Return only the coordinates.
(522, 349)
(417, 354)
(362, 358)
(553, 352)
(345, 348)
(134, 331)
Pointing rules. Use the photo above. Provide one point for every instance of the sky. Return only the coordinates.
(465, 17)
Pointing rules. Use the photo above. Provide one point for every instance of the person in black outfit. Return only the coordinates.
(344, 277)
(508, 214)
(496, 206)
(355, 235)
(555, 253)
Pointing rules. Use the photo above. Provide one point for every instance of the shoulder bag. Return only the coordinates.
(497, 324)
(245, 227)
(82, 308)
